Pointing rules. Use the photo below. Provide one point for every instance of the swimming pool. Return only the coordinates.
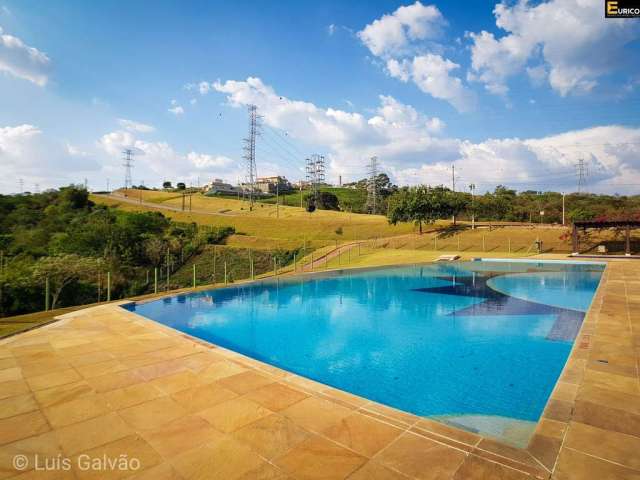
(476, 344)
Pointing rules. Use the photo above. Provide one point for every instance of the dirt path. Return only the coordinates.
(322, 260)
(161, 206)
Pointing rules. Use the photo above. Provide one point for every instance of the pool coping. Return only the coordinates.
(538, 449)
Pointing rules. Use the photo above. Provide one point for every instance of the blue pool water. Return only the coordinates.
(469, 339)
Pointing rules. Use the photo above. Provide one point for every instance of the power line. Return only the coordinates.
(315, 173)
(128, 165)
(250, 151)
(372, 185)
(582, 172)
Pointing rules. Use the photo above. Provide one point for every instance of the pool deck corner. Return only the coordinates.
(105, 381)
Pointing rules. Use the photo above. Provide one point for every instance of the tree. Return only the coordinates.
(61, 270)
(166, 184)
(323, 201)
(181, 186)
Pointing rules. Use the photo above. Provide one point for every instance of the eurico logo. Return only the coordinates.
(622, 8)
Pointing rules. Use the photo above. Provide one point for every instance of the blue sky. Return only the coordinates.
(510, 93)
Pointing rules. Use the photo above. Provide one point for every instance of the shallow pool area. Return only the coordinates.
(479, 345)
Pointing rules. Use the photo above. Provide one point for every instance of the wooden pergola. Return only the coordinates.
(626, 224)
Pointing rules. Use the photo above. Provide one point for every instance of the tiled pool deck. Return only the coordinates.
(105, 381)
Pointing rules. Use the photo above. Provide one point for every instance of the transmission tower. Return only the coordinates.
(372, 186)
(128, 165)
(250, 151)
(582, 172)
(315, 173)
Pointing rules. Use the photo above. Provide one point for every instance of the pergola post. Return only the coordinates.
(574, 239)
(627, 250)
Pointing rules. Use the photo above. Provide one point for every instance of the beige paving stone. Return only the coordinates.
(63, 393)
(17, 404)
(77, 410)
(12, 388)
(202, 397)
(184, 433)
(103, 460)
(447, 431)
(318, 458)
(11, 373)
(176, 382)
(89, 358)
(152, 414)
(476, 468)
(162, 471)
(100, 368)
(613, 446)
(135, 394)
(362, 434)
(574, 465)
(113, 381)
(374, 471)
(234, 414)
(43, 446)
(245, 382)
(225, 458)
(276, 396)
(43, 367)
(316, 414)
(266, 471)
(271, 436)
(92, 433)
(219, 370)
(22, 426)
(53, 379)
(610, 381)
(421, 458)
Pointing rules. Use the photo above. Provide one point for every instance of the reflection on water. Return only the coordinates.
(435, 340)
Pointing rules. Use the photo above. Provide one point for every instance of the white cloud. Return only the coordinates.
(176, 108)
(23, 61)
(133, 126)
(25, 152)
(412, 148)
(331, 29)
(432, 74)
(405, 40)
(160, 160)
(204, 87)
(568, 43)
(392, 34)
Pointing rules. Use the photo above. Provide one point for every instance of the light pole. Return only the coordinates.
(472, 188)
(563, 209)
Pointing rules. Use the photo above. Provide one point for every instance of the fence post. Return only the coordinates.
(194, 275)
(46, 294)
(295, 265)
(509, 240)
(312, 261)
(225, 272)
(99, 287)
(435, 242)
(214, 264)
(483, 244)
(251, 264)
(108, 286)
(147, 282)
(275, 268)
(458, 242)
(155, 280)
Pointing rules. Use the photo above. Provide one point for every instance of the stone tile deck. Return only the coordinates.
(104, 381)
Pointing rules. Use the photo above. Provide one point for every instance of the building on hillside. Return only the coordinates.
(219, 186)
(271, 185)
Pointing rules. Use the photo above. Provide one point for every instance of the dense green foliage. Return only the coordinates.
(64, 237)
(426, 204)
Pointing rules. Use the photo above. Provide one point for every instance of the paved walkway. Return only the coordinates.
(104, 382)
